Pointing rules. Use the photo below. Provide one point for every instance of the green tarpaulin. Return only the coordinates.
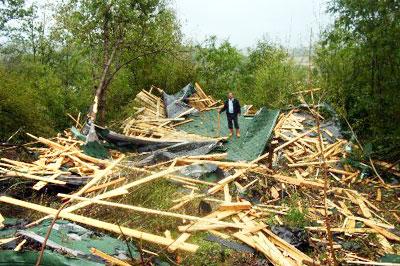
(71, 237)
(255, 132)
(10, 257)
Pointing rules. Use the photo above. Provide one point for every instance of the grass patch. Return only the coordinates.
(209, 253)
(296, 218)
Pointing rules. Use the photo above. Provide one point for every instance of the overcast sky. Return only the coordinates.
(243, 22)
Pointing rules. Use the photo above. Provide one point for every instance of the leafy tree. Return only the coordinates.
(264, 76)
(12, 10)
(117, 33)
(273, 76)
(219, 67)
(359, 59)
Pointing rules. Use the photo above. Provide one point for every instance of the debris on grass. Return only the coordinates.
(168, 191)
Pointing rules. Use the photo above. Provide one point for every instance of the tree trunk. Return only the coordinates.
(100, 95)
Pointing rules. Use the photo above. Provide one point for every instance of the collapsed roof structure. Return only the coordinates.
(288, 167)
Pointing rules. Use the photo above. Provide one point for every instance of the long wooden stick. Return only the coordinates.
(152, 211)
(117, 191)
(99, 176)
(219, 125)
(34, 177)
(326, 185)
(108, 258)
(100, 224)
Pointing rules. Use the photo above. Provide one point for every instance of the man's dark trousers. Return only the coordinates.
(232, 119)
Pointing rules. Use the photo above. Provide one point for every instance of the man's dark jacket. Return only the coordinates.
(236, 107)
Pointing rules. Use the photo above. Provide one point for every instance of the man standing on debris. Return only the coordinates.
(232, 108)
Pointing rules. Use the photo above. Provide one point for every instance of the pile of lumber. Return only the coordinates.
(250, 111)
(60, 162)
(151, 104)
(158, 129)
(301, 148)
(201, 101)
(150, 119)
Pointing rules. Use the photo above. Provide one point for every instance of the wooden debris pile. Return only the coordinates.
(250, 111)
(201, 101)
(150, 119)
(303, 181)
(300, 147)
(61, 162)
(152, 105)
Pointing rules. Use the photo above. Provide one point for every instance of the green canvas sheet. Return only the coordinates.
(10, 257)
(70, 236)
(255, 132)
(84, 240)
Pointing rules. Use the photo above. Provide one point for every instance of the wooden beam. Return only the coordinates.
(297, 181)
(235, 206)
(311, 163)
(113, 182)
(225, 181)
(1, 221)
(151, 211)
(294, 139)
(181, 239)
(108, 258)
(213, 156)
(34, 177)
(100, 224)
(99, 176)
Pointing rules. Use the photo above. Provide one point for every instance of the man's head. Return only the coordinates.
(230, 95)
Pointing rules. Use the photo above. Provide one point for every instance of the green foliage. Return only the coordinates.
(29, 99)
(209, 253)
(274, 76)
(296, 218)
(12, 10)
(219, 68)
(359, 59)
(264, 76)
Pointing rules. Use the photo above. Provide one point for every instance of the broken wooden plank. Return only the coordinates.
(34, 177)
(105, 185)
(7, 240)
(20, 245)
(41, 184)
(181, 239)
(387, 248)
(227, 196)
(382, 231)
(225, 181)
(100, 224)
(110, 259)
(1, 221)
(312, 163)
(151, 211)
(99, 176)
(297, 182)
(235, 206)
